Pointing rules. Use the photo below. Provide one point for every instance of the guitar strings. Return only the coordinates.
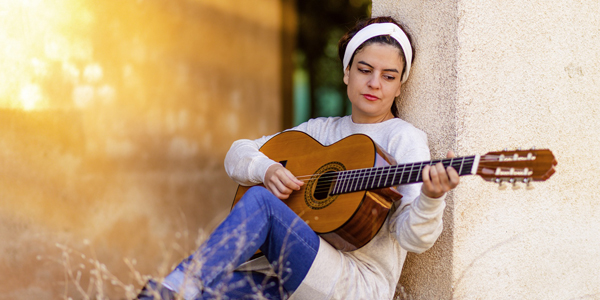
(377, 170)
(329, 177)
(456, 162)
(384, 168)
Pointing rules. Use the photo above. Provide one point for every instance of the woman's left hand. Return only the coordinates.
(437, 180)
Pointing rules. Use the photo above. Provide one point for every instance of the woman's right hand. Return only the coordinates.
(281, 182)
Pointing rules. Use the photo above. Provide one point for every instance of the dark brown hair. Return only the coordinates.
(383, 39)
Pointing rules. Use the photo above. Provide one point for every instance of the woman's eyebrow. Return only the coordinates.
(387, 70)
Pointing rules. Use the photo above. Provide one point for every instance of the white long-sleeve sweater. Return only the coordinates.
(373, 271)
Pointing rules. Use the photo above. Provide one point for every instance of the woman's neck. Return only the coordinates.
(366, 120)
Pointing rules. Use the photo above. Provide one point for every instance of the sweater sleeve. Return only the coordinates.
(245, 164)
(417, 221)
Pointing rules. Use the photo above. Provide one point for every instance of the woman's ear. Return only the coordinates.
(347, 75)
(399, 90)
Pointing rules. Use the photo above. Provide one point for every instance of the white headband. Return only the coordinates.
(378, 29)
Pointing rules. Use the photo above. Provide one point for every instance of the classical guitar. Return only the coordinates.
(347, 193)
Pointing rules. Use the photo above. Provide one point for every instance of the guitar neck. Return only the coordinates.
(383, 177)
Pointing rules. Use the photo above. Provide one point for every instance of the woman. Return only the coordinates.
(376, 56)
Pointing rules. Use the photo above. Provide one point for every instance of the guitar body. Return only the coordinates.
(347, 221)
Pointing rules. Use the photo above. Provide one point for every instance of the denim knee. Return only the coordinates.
(261, 196)
(258, 190)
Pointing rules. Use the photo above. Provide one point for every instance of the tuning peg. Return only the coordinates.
(514, 184)
(501, 185)
(527, 181)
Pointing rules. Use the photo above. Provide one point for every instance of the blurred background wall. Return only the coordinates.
(115, 117)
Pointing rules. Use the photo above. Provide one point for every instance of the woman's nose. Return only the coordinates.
(374, 82)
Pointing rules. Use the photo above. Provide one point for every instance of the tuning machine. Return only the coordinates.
(527, 182)
(500, 183)
(514, 184)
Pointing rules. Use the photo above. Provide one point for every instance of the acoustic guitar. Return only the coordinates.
(348, 190)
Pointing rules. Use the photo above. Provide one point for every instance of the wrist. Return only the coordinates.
(428, 204)
(270, 168)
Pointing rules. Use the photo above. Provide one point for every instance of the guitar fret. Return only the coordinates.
(364, 180)
(373, 176)
(344, 182)
(378, 175)
(353, 180)
(358, 179)
(410, 173)
(388, 175)
(383, 170)
(341, 181)
(456, 165)
(461, 165)
(361, 180)
(335, 181)
(368, 178)
(350, 180)
(469, 167)
(338, 182)
(419, 173)
(401, 174)
(393, 178)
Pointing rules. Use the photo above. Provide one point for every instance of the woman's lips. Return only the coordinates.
(370, 97)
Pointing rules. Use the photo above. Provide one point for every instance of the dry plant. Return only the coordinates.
(78, 267)
(401, 294)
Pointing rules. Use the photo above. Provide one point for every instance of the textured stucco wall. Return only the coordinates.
(115, 117)
(429, 102)
(520, 74)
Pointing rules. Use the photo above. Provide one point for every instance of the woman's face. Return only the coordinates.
(373, 82)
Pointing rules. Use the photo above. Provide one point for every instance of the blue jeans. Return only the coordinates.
(258, 221)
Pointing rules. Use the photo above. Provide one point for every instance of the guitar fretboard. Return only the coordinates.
(382, 177)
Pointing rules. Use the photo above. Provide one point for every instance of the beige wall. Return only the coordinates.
(507, 74)
(115, 118)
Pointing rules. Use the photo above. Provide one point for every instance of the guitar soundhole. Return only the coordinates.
(316, 194)
(324, 184)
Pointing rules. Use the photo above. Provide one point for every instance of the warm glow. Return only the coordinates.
(42, 43)
(30, 95)
(115, 117)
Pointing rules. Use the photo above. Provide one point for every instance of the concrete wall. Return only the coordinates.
(115, 117)
(504, 74)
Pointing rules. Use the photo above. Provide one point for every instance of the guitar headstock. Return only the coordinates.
(517, 166)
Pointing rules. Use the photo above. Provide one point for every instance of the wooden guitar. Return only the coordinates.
(347, 196)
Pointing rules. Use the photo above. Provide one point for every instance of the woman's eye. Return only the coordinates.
(364, 70)
(389, 77)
